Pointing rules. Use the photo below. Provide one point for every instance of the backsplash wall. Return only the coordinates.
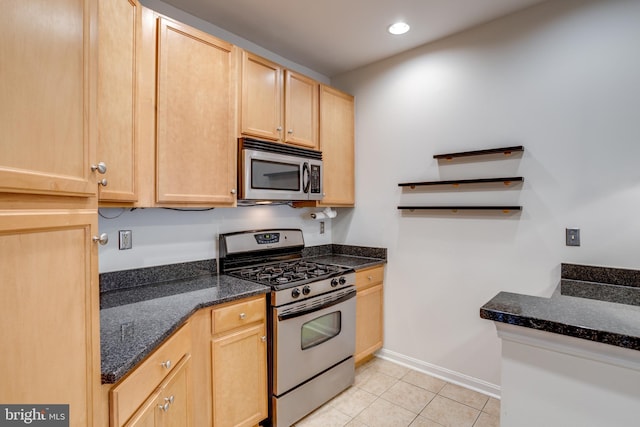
(165, 236)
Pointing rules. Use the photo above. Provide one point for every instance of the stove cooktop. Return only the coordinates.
(283, 275)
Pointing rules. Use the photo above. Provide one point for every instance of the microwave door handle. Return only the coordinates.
(306, 181)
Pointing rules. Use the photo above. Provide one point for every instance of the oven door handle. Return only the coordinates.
(328, 304)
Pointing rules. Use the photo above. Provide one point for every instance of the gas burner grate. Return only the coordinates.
(280, 273)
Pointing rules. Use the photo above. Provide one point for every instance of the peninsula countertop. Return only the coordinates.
(589, 316)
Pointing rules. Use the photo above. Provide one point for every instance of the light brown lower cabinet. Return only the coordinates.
(49, 308)
(211, 372)
(369, 312)
(171, 404)
(159, 391)
(239, 364)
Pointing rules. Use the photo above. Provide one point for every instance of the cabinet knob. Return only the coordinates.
(103, 239)
(100, 167)
(243, 316)
(290, 131)
(103, 182)
(164, 407)
(264, 338)
(279, 128)
(166, 364)
(370, 277)
(233, 191)
(169, 399)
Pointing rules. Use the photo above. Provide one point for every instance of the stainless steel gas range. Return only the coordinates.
(311, 318)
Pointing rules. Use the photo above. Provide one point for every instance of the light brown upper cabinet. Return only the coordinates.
(46, 108)
(119, 31)
(195, 122)
(337, 146)
(278, 104)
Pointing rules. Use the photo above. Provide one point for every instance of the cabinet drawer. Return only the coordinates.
(369, 277)
(239, 314)
(133, 390)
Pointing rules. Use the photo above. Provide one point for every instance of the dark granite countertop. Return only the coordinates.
(351, 261)
(140, 308)
(134, 321)
(587, 314)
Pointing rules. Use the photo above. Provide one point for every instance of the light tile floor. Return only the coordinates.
(386, 394)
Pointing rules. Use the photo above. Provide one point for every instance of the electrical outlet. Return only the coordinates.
(321, 227)
(572, 237)
(126, 331)
(126, 241)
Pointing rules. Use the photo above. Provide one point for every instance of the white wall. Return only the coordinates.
(164, 236)
(562, 79)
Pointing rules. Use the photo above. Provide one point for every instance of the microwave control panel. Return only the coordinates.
(315, 179)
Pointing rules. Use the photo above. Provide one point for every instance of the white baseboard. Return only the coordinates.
(448, 375)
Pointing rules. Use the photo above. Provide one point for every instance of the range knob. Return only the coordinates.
(334, 283)
(306, 290)
(295, 293)
(342, 280)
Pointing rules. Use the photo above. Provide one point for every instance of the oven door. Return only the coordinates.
(311, 336)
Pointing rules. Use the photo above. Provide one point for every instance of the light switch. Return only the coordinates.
(573, 236)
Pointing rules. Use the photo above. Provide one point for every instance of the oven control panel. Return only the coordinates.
(267, 238)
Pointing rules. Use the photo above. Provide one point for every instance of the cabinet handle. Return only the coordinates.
(100, 167)
(169, 399)
(290, 131)
(166, 364)
(103, 182)
(103, 239)
(164, 407)
(242, 316)
(370, 277)
(233, 191)
(279, 128)
(263, 338)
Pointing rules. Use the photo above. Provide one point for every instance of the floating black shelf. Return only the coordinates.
(456, 182)
(504, 209)
(507, 151)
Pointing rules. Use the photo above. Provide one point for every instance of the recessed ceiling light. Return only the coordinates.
(398, 28)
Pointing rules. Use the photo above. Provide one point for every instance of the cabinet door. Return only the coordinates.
(196, 145)
(171, 404)
(240, 377)
(148, 415)
(45, 115)
(301, 110)
(49, 310)
(119, 26)
(261, 109)
(368, 321)
(337, 145)
(176, 392)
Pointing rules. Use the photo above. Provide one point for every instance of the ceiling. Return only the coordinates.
(335, 36)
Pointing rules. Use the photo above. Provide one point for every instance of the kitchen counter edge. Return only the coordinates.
(600, 321)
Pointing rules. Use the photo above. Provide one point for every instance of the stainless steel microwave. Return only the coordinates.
(272, 171)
